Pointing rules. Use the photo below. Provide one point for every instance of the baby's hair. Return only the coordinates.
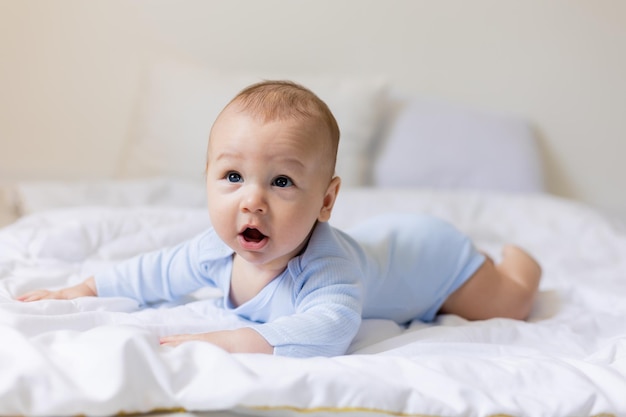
(283, 99)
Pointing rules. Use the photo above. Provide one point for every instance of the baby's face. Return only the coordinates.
(267, 184)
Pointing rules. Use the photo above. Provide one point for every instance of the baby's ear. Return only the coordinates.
(329, 199)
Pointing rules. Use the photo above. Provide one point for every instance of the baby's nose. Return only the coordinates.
(254, 200)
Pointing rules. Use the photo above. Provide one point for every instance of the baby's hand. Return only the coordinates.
(84, 289)
(240, 340)
(41, 295)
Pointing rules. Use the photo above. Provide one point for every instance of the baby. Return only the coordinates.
(302, 285)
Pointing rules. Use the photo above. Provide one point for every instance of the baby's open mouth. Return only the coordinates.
(252, 235)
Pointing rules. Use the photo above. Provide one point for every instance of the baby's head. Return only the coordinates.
(282, 100)
(270, 171)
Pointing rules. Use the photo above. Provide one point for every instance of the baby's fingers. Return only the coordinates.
(38, 295)
(34, 295)
(175, 340)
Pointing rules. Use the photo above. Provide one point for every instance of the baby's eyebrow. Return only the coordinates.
(287, 160)
(228, 155)
(292, 161)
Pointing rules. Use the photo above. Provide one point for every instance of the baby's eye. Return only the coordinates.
(234, 177)
(282, 182)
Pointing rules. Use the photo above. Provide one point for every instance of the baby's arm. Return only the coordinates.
(87, 288)
(326, 318)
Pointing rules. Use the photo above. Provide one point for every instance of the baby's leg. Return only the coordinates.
(506, 289)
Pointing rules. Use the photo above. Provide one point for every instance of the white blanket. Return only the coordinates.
(94, 356)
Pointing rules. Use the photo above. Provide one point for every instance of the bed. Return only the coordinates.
(480, 171)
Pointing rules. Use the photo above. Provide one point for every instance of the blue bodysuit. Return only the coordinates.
(400, 267)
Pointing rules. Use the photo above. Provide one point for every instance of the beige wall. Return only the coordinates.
(69, 70)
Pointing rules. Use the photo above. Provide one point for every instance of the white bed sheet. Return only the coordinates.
(95, 356)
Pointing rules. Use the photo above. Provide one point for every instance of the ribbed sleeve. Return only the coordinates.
(326, 297)
(162, 275)
(327, 313)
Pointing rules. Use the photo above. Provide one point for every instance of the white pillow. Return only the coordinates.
(441, 145)
(181, 100)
